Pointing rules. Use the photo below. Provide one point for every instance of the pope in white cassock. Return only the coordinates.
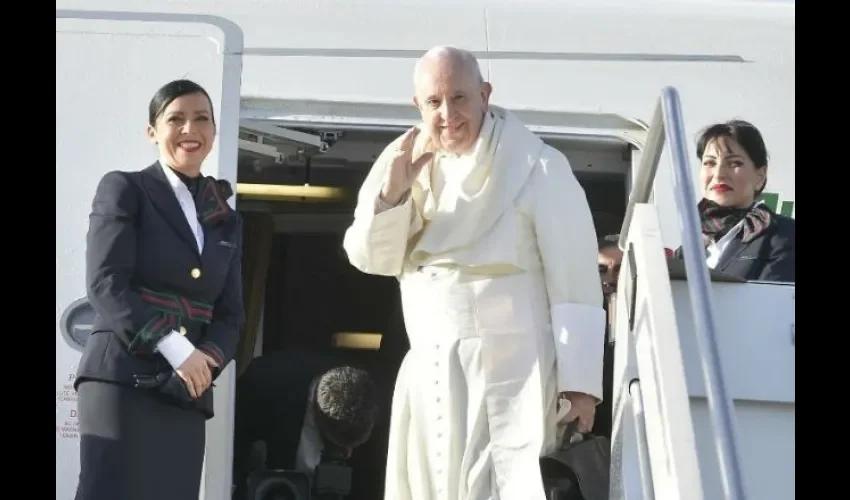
(490, 236)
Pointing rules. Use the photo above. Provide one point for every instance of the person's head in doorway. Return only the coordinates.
(346, 407)
(610, 258)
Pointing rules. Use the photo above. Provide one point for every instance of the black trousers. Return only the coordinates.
(135, 447)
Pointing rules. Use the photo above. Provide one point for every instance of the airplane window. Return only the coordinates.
(76, 323)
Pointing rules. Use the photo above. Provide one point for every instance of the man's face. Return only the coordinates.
(452, 101)
(609, 260)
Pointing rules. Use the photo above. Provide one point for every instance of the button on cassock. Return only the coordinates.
(195, 272)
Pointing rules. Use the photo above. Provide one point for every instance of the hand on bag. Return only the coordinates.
(195, 372)
(210, 361)
(212, 364)
(403, 169)
(583, 408)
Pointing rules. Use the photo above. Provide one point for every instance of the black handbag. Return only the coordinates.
(579, 469)
(171, 388)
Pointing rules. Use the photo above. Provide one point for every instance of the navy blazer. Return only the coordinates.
(769, 257)
(138, 237)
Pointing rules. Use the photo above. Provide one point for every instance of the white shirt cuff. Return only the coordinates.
(580, 343)
(175, 348)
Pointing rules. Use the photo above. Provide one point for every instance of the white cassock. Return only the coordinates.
(495, 252)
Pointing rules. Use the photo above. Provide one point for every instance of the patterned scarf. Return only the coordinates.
(211, 200)
(210, 197)
(718, 220)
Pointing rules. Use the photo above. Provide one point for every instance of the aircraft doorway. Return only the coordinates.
(303, 291)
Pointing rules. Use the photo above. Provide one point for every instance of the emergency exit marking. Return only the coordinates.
(69, 430)
(67, 392)
(67, 396)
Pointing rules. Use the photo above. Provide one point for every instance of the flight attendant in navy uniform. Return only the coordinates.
(163, 275)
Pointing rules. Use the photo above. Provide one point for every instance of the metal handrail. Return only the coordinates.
(636, 398)
(667, 124)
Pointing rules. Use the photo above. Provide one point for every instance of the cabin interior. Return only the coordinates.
(300, 290)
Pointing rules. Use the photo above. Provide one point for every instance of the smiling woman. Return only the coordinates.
(743, 236)
(168, 310)
(183, 128)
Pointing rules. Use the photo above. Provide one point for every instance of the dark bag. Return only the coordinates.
(579, 469)
(171, 388)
